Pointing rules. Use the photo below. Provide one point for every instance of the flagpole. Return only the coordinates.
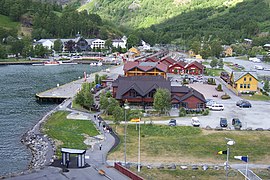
(247, 168)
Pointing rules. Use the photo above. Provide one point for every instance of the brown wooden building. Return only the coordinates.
(140, 90)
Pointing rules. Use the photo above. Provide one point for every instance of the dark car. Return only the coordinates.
(240, 102)
(236, 123)
(245, 104)
(172, 122)
(223, 122)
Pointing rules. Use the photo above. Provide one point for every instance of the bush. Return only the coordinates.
(219, 87)
(211, 81)
(205, 112)
(225, 96)
(182, 112)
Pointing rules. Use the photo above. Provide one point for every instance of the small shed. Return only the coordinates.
(80, 156)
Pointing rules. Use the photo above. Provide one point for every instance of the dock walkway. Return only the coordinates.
(69, 90)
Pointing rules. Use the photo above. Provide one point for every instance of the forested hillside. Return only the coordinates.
(181, 21)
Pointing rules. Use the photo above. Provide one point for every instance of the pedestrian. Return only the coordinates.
(100, 146)
(99, 122)
(92, 147)
(95, 117)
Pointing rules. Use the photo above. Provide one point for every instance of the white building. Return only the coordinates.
(120, 42)
(48, 43)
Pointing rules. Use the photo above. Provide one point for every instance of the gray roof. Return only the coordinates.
(141, 84)
(152, 64)
(239, 75)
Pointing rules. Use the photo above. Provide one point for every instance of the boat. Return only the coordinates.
(67, 63)
(51, 63)
(96, 64)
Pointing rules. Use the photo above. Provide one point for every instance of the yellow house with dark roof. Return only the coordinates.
(243, 82)
(133, 52)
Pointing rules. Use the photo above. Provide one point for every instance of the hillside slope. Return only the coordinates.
(229, 20)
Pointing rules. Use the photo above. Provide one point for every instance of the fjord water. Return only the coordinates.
(19, 110)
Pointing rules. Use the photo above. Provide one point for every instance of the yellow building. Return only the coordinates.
(133, 52)
(191, 53)
(244, 82)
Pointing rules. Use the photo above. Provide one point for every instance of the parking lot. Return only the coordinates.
(254, 117)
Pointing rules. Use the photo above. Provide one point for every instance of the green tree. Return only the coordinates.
(162, 100)
(108, 44)
(216, 48)
(118, 115)
(3, 53)
(132, 41)
(57, 46)
(214, 63)
(220, 63)
(266, 86)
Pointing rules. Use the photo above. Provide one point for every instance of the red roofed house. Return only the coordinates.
(177, 68)
(194, 68)
(145, 69)
(168, 61)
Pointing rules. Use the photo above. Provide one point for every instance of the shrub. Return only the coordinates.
(225, 96)
(182, 112)
(205, 112)
(219, 87)
(211, 81)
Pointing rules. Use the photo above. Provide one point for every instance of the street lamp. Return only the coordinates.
(139, 149)
(230, 142)
(126, 107)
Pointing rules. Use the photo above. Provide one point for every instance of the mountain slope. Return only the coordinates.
(144, 13)
(167, 20)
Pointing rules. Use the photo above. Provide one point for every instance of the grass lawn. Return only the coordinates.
(213, 72)
(186, 144)
(257, 97)
(209, 174)
(68, 133)
(6, 22)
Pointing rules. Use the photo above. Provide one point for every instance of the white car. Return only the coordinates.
(217, 107)
(195, 122)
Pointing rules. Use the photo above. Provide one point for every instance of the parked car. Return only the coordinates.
(195, 122)
(240, 102)
(236, 123)
(223, 122)
(245, 104)
(210, 102)
(172, 122)
(217, 107)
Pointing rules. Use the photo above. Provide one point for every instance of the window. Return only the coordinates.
(250, 79)
(248, 86)
(132, 93)
(241, 85)
(245, 86)
(245, 79)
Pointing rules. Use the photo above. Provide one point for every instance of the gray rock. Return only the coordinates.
(208, 128)
(205, 167)
(195, 167)
(172, 166)
(183, 167)
(161, 166)
(259, 129)
(249, 129)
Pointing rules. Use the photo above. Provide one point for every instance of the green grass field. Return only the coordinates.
(6, 22)
(200, 174)
(186, 144)
(257, 97)
(68, 133)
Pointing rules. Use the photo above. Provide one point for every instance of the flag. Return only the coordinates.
(243, 158)
(222, 152)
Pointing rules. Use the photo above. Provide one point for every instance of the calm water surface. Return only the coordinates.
(19, 110)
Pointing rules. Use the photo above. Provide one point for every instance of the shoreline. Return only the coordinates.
(41, 146)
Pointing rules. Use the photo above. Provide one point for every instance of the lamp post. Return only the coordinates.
(139, 149)
(230, 142)
(126, 107)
